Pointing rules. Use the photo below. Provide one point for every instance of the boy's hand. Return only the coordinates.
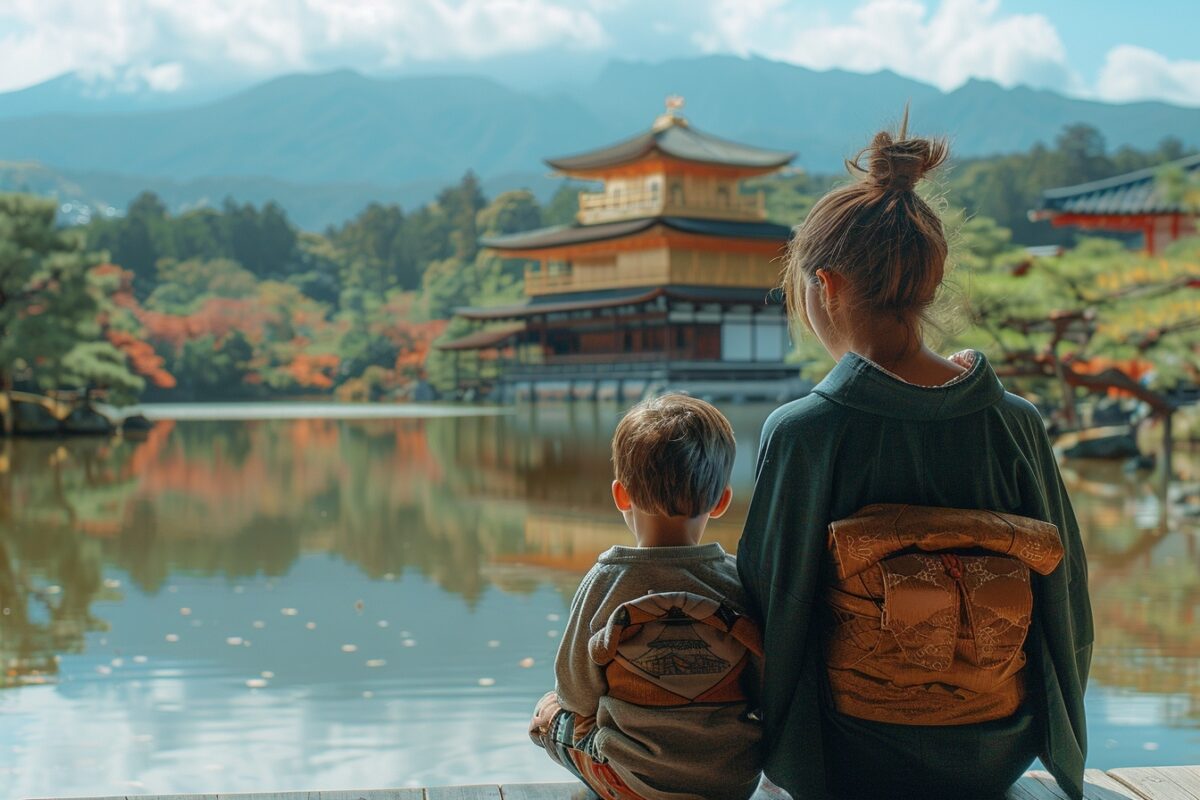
(543, 714)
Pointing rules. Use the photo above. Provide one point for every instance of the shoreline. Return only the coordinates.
(268, 409)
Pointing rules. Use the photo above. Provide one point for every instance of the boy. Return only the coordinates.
(649, 699)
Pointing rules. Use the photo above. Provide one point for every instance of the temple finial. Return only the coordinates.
(671, 116)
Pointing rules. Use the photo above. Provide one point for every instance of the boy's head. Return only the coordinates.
(672, 457)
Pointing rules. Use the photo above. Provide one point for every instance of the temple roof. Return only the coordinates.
(488, 337)
(676, 139)
(561, 235)
(1132, 193)
(557, 304)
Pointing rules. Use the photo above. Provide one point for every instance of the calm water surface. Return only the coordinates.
(285, 604)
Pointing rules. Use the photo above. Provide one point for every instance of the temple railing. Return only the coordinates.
(596, 207)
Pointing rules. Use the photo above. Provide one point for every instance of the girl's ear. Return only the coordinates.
(832, 284)
(722, 504)
(621, 497)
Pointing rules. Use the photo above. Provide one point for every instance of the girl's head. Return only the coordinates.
(871, 254)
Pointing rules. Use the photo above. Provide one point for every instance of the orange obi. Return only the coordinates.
(928, 612)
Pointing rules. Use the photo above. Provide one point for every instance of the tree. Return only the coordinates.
(100, 365)
(510, 212)
(563, 206)
(118, 317)
(1100, 319)
(264, 242)
(184, 285)
(1083, 151)
(376, 250)
(461, 204)
(142, 237)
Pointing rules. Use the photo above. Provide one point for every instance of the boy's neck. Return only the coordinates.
(656, 531)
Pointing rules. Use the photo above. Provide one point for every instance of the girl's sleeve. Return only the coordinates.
(579, 681)
(779, 560)
(1062, 514)
(787, 504)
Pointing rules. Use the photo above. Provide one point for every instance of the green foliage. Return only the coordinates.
(1097, 313)
(564, 205)
(791, 196)
(208, 368)
(184, 285)
(375, 249)
(461, 204)
(511, 212)
(98, 363)
(47, 308)
(261, 240)
(1180, 188)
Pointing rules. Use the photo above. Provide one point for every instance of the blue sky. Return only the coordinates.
(1115, 51)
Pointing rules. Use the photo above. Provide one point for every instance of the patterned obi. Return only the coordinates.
(928, 610)
(675, 648)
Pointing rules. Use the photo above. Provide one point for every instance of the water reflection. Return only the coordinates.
(337, 590)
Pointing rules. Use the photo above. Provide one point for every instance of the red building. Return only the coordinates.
(665, 280)
(1135, 202)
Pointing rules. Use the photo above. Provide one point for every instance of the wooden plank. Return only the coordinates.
(1099, 786)
(152, 797)
(349, 794)
(486, 792)
(546, 791)
(1030, 788)
(1096, 786)
(1161, 783)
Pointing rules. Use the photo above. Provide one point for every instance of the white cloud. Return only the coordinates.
(152, 39)
(1135, 73)
(169, 45)
(959, 40)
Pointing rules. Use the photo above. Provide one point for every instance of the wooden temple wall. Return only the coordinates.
(695, 267)
(659, 266)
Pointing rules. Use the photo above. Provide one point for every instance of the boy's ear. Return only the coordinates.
(722, 504)
(621, 497)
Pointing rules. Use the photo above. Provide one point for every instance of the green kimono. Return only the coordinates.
(865, 436)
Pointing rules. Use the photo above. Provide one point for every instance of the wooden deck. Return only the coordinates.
(1134, 783)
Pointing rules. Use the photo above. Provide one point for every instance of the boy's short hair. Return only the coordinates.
(674, 455)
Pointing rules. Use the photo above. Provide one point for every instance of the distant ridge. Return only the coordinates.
(347, 129)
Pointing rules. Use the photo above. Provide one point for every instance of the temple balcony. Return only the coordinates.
(655, 267)
(609, 206)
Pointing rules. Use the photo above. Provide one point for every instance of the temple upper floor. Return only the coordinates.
(671, 170)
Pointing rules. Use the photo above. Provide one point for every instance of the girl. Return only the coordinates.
(896, 423)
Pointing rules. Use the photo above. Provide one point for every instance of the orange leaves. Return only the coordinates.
(313, 371)
(217, 317)
(414, 340)
(142, 358)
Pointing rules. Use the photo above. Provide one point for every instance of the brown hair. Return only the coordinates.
(674, 455)
(876, 230)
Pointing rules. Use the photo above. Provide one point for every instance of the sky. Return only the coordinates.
(1110, 50)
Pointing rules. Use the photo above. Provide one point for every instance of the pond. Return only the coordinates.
(271, 604)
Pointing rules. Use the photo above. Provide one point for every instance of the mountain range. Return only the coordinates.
(325, 144)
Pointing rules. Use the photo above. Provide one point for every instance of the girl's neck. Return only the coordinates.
(896, 345)
(920, 366)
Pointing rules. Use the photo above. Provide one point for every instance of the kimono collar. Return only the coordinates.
(862, 384)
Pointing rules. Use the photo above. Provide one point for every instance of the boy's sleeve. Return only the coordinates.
(579, 681)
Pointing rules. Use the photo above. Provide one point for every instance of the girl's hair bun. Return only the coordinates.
(896, 164)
